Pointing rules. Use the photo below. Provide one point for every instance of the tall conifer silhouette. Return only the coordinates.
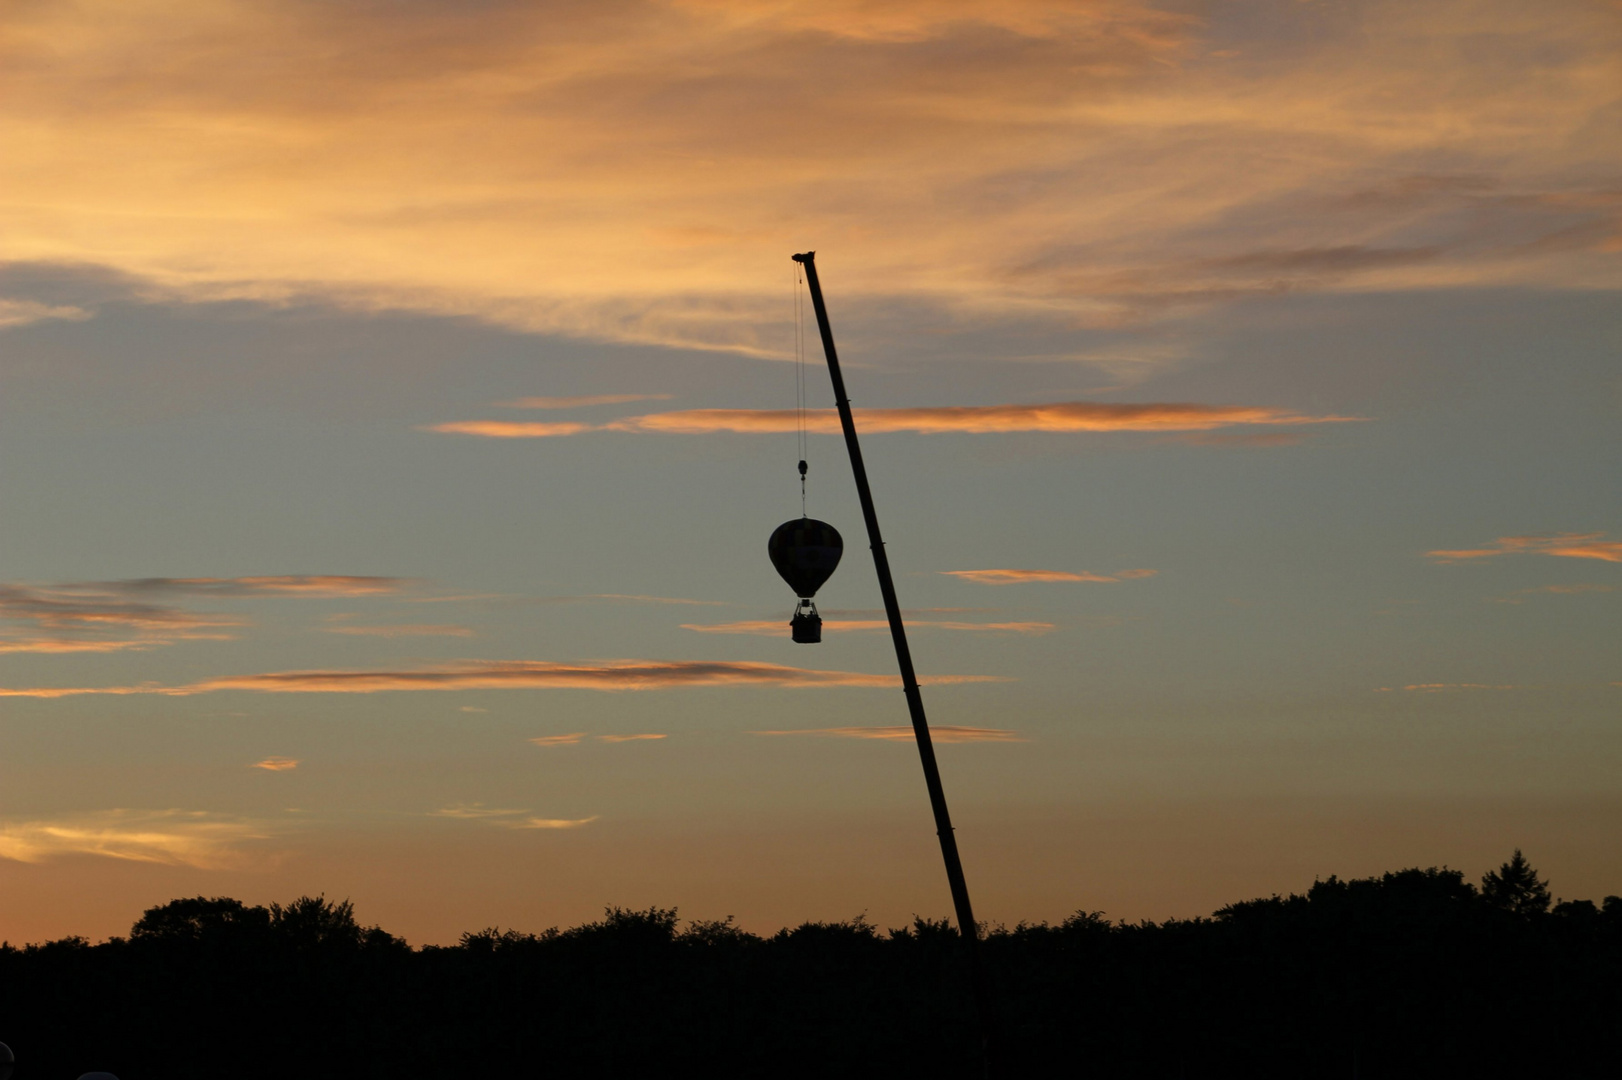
(1515, 887)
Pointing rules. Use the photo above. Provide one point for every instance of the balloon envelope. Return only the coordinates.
(805, 552)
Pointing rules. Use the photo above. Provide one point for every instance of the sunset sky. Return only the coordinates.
(396, 399)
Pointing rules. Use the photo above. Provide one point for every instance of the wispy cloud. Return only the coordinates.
(1445, 687)
(779, 627)
(167, 837)
(79, 645)
(311, 585)
(1571, 590)
(1249, 440)
(945, 733)
(1063, 416)
(609, 675)
(402, 630)
(1022, 577)
(506, 600)
(25, 312)
(508, 429)
(276, 764)
(1566, 545)
(581, 402)
(80, 607)
(635, 598)
(575, 738)
(474, 812)
(509, 819)
(1434, 161)
(1552, 590)
(116, 616)
(81, 618)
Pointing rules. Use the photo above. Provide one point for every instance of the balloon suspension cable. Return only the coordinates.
(799, 379)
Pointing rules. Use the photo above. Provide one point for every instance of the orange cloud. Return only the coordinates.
(1021, 577)
(1608, 551)
(276, 764)
(503, 173)
(553, 823)
(581, 402)
(73, 645)
(629, 738)
(1064, 416)
(943, 734)
(571, 739)
(912, 21)
(516, 675)
(778, 627)
(165, 837)
(1566, 545)
(503, 169)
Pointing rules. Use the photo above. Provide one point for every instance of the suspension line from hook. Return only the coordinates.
(799, 379)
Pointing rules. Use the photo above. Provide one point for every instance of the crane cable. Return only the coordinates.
(799, 379)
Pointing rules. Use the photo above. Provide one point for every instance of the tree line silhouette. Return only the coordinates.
(1414, 973)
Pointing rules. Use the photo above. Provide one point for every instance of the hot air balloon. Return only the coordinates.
(805, 552)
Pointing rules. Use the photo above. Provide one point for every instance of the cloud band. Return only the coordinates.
(945, 733)
(516, 675)
(1058, 417)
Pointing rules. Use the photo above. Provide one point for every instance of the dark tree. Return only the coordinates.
(1400, 976)
(200, 919)
(1515, 888)
(314, 922)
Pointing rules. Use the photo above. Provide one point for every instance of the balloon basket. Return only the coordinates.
(806, 626)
